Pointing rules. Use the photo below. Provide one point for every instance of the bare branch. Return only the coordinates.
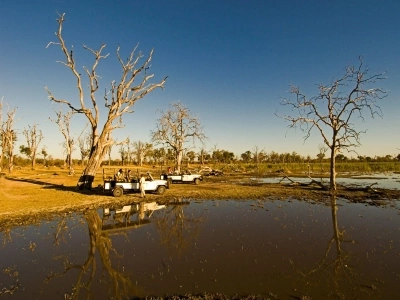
(331, 110)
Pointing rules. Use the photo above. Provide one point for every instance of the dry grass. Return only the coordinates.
(26, 192)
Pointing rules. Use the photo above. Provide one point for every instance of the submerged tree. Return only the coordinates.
(119, 98)
(333, 108)
(176, 128)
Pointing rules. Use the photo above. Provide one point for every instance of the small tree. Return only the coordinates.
(141, 149)
(176, 128)
(45, 154)
(202, 155)
(119, 98)
(124, 154)
(33, 137)
(84, 143)
(25, 150)
(246, 156)
(190, 155)
(64, 121)
(8, 137)
(322, 150)
(158, 155)
(333, 108)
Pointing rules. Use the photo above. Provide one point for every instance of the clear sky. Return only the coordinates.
(229, 62)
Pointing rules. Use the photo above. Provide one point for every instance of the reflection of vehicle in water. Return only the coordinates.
(129, 216)
(122, 184)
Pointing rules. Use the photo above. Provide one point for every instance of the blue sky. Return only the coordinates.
(229, 62)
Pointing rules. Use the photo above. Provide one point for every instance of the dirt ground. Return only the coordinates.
(33, 195)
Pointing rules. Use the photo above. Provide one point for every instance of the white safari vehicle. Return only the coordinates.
(187, 177)
(119, 187)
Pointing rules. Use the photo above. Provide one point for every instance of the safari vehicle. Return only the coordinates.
(119, 186)
(186, 177)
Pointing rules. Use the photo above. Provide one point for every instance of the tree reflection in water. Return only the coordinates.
(177, 231)
(335, 267)
(100, 242)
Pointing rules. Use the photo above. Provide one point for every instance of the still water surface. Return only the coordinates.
(387, 180)
(278, 249)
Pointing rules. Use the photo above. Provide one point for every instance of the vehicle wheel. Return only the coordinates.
(118, 191)
(196, 181)
(161, 190)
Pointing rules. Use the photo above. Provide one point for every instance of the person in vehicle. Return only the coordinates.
(128, 176)
(120, 175)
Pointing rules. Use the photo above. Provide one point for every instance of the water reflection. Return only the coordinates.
(99, 243)
(277, 249)
(177, 231)
(380, 180)
(335, 266)
(100, 229)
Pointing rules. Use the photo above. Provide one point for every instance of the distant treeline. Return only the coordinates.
(282, 164)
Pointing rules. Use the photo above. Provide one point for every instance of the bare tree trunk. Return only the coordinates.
(332, 168)
(119, 98)
(10, 162)
(179, 156)
(33, 137)
(98, 152)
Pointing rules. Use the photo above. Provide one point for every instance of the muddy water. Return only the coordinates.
(277, 249)
(387, 180)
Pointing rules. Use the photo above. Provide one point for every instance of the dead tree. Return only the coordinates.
(2, 136)
(63, 121)
(8, 138)
(33, 137)
(333, 108)
(119, 98)
(141, 149)
(84, 143)
(124, 154)
(176, 128)
(201, 155)
(322, 150)
(109, 155)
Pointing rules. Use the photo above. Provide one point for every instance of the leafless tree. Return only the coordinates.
(176, 128)
(63, 121)
(84, 143)
(141, 149)
(33, 137)
(109, 154)
(333, 108)
(8, 136)
(257, 155)
(124, 154)
(321, 154)
(2, 136)
(201, 155)
(119, 98)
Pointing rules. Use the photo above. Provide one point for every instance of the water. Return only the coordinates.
(383, 181)
(277, 249)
